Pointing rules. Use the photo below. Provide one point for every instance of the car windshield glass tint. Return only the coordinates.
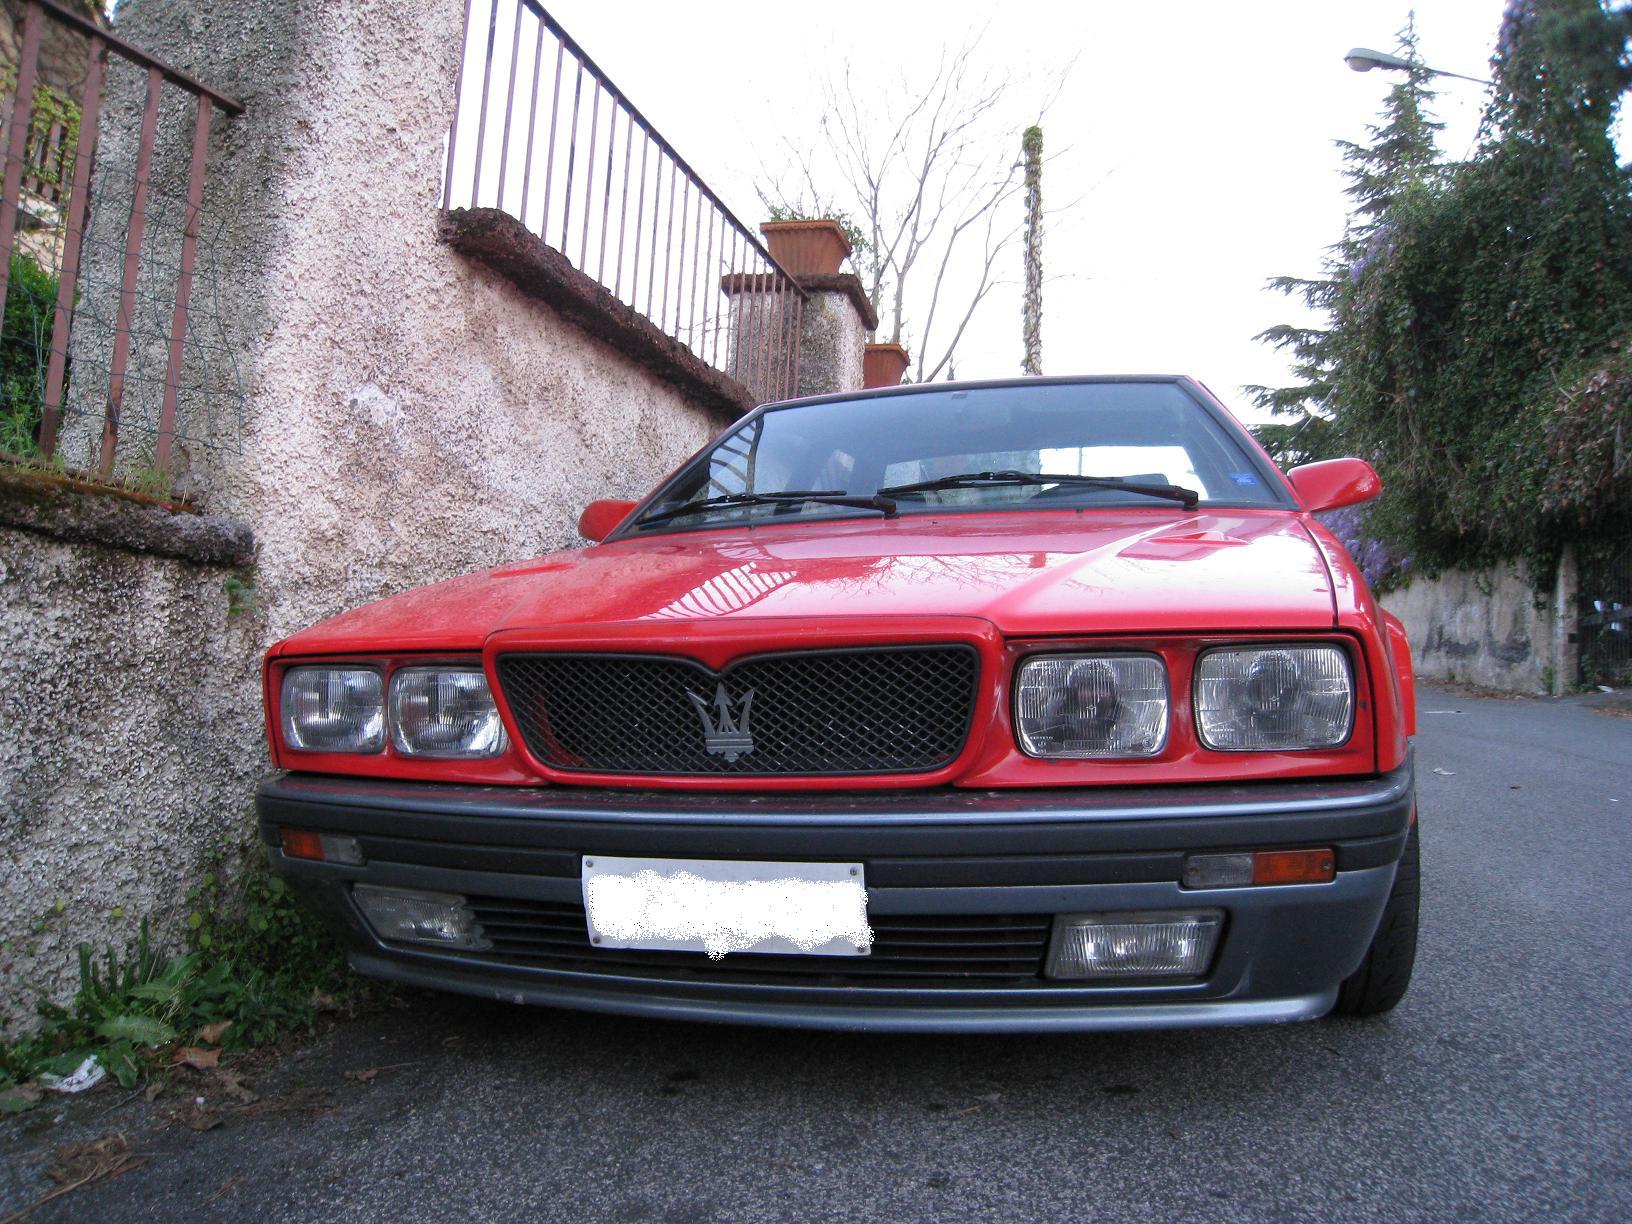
(1149, 433)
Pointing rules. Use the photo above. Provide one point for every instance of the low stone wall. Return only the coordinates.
(1482, 627)
(129, 698)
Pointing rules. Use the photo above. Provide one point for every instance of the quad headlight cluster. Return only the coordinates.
(445, 712)
(1247, 699)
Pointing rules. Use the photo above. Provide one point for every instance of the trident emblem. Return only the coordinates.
(725, 733)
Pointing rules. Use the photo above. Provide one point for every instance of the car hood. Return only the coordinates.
(1052, 573)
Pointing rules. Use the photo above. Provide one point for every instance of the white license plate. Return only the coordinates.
(718, 906)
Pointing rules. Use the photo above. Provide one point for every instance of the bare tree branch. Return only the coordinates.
(919, 168)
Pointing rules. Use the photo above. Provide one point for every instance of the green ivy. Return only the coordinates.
(1480, 312)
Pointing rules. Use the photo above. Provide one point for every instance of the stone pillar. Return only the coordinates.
(832, 322)
(833, 334)
(1566, 622)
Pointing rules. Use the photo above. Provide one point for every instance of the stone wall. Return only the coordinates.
(408, 415)
(1485, 628)
(129, 685)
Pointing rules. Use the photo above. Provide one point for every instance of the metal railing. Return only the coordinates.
(541, 133)
(35, 403)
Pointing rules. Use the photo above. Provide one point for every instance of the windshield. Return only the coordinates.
(967, 448)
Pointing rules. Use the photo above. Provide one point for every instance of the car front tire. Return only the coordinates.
(1384, 975)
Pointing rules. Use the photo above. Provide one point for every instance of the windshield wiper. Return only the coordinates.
(976, 480)
(827, 497)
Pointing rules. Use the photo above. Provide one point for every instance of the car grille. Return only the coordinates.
(893, 710)
(907, 949)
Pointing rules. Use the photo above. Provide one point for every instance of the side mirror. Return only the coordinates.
(601, 518)
(1335, 483)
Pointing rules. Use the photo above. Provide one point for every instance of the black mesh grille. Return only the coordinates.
(828, 712)
(914, 950)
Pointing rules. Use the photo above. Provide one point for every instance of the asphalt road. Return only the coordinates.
(1500, 1089)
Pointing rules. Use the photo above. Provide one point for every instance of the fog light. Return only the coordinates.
(1164, 943)
(399, 915)
(322, 847)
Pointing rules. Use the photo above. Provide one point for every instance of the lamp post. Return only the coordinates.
(1364, 59)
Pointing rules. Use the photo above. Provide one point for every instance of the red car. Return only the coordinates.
(1041, 704)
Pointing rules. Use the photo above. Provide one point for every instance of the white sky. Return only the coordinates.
(1201, 132)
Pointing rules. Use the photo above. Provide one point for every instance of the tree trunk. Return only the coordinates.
(1031, 145)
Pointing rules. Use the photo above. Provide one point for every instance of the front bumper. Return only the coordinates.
(1284, 952)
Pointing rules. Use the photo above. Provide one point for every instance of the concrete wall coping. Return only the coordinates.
(513, 251)
(68, 509)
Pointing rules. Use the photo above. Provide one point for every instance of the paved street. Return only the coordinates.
(1501, 1088)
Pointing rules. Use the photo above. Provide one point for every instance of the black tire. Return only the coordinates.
(1383, 976)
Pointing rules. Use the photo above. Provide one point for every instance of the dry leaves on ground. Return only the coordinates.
(198, 1115)
(79, 1164)
(196, 1057)
(211, 1034)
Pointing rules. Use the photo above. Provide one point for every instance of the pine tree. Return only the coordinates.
(1400, 157)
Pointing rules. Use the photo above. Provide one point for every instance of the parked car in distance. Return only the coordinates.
(1036, 704)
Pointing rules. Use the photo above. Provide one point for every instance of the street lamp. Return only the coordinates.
(1364, 59)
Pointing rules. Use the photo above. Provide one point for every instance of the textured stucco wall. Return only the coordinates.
(408, 416)
(833, 343)
(124, 683)
(1477, 627)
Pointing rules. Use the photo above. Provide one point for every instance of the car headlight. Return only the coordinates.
(1085, 705)
(1274, 697)
(444, 712)
(333, 709)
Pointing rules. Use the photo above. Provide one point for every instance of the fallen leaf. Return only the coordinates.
(152, 1091)
(231, 1084)
(1444, 773)
(199, 1116)
(324, 1002)
(211, 1034)
(196, 1058)
(74, 1164)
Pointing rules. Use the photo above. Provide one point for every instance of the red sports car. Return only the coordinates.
(1041, 704)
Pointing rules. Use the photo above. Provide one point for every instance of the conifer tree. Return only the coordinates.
(1400, 157)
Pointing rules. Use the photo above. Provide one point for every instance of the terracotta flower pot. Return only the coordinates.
(883, 365)
(807, 248)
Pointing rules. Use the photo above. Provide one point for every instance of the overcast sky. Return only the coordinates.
(1198, 134)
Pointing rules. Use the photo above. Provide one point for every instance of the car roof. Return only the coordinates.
(925, 388)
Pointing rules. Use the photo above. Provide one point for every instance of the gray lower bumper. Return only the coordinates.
(869, 1015)
(1284, 952)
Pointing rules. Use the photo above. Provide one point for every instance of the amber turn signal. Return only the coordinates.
(301, 843)
(1294, 867)
(321, 847)
(1246, 867)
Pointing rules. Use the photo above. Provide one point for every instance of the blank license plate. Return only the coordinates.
(719, 906)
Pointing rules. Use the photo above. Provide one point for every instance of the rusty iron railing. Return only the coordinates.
(541, 133)
(20, 138)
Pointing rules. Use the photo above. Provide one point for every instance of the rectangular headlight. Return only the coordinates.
(333, 709)
(444, 712)
(1075, 706)
(1274, 697)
